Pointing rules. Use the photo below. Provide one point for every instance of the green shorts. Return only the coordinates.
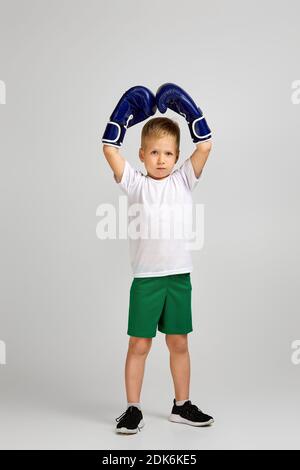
(160, 301)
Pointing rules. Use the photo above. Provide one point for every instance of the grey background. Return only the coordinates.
(64, 292)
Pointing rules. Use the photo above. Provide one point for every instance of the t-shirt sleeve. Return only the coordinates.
(187, 172)
(129, 178)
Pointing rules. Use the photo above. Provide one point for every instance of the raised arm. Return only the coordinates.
(115, 161)
(172, 96)
(136, 105)
(199, 156)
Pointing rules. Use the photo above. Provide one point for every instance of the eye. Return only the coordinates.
(154, 151)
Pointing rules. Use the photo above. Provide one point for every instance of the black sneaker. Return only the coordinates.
(131, 421)
(189, 414)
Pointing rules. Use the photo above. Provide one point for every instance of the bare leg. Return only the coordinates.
(179, 365)
(138, 350)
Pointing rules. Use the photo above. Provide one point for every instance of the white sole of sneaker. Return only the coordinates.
(130, 431)
(179, 419)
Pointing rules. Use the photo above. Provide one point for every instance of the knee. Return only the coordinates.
(140, 346)
(177, 343)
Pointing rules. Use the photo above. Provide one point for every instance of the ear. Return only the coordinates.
(141, 154)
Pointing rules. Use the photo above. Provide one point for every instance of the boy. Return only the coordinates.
(160, 293)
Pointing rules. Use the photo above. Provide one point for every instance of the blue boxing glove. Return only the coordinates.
(137, 104)
(172, 96)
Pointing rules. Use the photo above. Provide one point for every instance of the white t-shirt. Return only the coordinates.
(156, 209)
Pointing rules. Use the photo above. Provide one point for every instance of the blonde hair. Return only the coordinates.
(160, 126)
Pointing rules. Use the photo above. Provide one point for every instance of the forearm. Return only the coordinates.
(204, 147)
(200, 156)
(110, 150)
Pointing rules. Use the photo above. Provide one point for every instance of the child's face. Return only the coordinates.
(159, 155)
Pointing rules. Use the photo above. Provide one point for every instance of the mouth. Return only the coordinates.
(160, 168)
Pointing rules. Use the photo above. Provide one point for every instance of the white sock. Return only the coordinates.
(138, 405)
(181, 402)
